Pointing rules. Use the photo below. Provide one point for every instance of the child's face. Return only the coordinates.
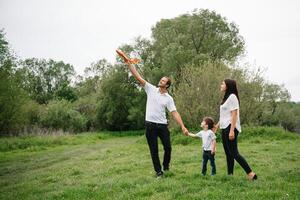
(203, 124)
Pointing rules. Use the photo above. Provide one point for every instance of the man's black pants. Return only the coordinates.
(154, 130)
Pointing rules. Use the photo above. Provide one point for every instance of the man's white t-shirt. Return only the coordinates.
(157, 104)
(207, 138)
(229, 105)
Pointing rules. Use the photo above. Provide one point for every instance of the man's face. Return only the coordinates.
(163, 82)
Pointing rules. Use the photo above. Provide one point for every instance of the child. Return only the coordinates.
(208, 144)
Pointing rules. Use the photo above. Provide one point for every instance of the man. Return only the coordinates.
(156, 123)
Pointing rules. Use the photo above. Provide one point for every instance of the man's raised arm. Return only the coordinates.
(133, 70)
(136, 74)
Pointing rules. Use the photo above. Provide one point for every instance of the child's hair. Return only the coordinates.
(209, 121)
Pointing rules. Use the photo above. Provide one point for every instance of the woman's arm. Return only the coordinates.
(233, 123)
(215, 128)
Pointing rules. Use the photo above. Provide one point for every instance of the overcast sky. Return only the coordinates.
(83, 31)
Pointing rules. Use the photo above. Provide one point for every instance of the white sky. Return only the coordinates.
(83, 31)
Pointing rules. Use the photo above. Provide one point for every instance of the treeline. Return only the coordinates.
(197, 50)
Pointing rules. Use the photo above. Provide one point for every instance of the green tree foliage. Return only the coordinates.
(59, 115)
(87, 106)
(46, 80)
(197, 50)
(4, 49)
(198, 94)
(119, 102)
(87, 90)
(12, 98)
(194, 38)
(288, 116)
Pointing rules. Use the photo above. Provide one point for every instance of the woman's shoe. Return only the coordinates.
(252, 178)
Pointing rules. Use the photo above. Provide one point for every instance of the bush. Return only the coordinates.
(118, 100)
(13, 101)
(60, 115)
(87, 106)
(273, 133)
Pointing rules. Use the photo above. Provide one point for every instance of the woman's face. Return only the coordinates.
(223, 87)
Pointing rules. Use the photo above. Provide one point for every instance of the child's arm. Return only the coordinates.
(192, 135)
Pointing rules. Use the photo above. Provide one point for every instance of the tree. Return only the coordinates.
(288, 115)
(59, 115)
(118, 107)
(12, 98)
(274, 96)
(198, 94)
(4, 50)
(45, 80)
(193, 39)
(274, 93)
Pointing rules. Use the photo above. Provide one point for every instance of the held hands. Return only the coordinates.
(190, 134)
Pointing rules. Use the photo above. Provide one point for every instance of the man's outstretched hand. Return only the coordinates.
(126, 59)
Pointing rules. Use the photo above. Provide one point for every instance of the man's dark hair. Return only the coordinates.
(209, 121)
(168, 82)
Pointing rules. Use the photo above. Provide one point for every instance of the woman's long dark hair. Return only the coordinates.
(231, 88)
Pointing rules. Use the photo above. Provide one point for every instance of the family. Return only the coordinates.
(158, 100)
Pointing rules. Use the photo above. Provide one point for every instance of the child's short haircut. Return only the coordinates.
(209, 121)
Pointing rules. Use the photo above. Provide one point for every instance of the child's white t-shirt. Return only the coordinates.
(207, 138)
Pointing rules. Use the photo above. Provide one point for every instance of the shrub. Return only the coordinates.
(60, 115)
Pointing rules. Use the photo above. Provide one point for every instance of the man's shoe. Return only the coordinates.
(159, 174)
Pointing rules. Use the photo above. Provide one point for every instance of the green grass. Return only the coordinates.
(107, 166)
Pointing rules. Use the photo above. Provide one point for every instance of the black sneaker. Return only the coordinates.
(159, 174)
(166, 169)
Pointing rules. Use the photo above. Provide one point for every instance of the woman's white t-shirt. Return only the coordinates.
(229, 105)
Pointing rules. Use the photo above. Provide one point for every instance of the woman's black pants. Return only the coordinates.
(231, 151)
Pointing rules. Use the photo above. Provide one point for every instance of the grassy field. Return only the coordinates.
(118, 166)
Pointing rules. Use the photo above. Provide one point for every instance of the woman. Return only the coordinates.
(230, 125)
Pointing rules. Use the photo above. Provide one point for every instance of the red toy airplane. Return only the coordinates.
(126, 59)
